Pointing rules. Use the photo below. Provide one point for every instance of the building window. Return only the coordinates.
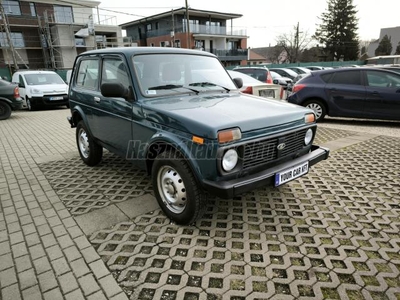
(177, 43)
(80, 42)
(11, 7)
(162, 44)
(33, 9)
(152, 45)
(157, 25)
(148, 27)
(16, 38)
(63, 14)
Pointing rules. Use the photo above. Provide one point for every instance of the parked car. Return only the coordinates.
(300, 70)
(284, 72)
(281, 80)
(41, 88)
(350, 92)
(315, 68)
(259, 73)
(9, 99)
(256, 87)
(178, 114)
(393, 69)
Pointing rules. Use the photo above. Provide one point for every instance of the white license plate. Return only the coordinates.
(291, 173)
(57, 98)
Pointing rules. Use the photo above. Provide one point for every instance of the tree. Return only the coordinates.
(293, 43)
(385, 46)
(397, 52)
(338, 31)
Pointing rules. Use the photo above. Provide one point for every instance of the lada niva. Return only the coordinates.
(179, 115)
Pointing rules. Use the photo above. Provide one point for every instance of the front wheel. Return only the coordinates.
(318, 107)
(29, 104)
(176, 189)
(5, 110)
(90, 152)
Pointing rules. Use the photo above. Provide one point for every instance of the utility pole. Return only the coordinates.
(8, 36)
(296, 43)
(187, 23)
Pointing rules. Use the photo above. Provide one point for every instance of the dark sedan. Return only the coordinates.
(9, 99)
(350, 92)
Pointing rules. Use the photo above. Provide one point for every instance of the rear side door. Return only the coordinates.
(113, 116)
(383, 94)
(346, 93)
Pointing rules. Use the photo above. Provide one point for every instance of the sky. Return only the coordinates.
(265, 20)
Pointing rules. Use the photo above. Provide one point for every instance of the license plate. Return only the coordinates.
(267, 93)
(291, 173)
(56, 98)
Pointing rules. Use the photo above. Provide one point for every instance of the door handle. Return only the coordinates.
(96, 99)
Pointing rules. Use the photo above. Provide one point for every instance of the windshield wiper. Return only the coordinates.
(206, 83)
(171, 87)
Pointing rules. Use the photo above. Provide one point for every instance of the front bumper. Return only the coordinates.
(47, 100)
(231, 188)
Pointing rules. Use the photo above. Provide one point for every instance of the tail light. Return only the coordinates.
(248, 90)
(16, 92)
(269, 78)
(298, 87)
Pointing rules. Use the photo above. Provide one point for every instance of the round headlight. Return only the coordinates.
(229, 160)
(308, 137)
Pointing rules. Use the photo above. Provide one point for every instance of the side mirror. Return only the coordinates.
(276, 81)
(238, 82)
(116, 90)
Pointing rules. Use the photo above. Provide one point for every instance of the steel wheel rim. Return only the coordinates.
(172, 189)
(83, 143)
(316, 108)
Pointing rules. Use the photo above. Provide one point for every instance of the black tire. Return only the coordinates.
(29, 104)
(318, 107)
(90, 152)
(171, 174)
(67, 105)
(5, 111)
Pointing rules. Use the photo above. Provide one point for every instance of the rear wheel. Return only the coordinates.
(318, 107)
(5, 110)
(90, 152)
(176, 189)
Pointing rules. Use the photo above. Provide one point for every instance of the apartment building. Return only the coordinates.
(50, 33)
(194, 29)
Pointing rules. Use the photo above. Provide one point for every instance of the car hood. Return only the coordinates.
(51, 88)
(205, 115)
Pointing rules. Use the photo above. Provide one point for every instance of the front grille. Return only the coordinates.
(265, 151)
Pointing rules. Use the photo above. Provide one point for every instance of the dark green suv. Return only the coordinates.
(178, 114)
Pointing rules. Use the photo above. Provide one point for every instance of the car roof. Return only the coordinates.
(128, 51)
(35, 72)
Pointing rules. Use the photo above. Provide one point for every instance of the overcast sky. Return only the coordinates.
(267, 19)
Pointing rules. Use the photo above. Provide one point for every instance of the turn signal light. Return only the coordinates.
(229, 135)
(309, 118)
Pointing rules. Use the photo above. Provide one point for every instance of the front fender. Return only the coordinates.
(161, 140)
(78, 115)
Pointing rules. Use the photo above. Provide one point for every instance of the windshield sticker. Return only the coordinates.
(151, 92)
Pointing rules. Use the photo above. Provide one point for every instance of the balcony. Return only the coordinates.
(235, 54)
(199, 29)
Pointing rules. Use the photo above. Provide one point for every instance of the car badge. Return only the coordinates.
(281, 146)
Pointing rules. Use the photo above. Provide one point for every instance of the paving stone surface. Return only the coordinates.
(333, 234)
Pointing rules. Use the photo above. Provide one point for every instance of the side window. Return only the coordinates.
(115, 70)
(381, 79)
(88, 74)
(21, 81)
(347, 77)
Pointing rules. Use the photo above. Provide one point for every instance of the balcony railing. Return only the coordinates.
(198, 29)
(226, 53)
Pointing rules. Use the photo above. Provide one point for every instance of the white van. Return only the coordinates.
(41, 88)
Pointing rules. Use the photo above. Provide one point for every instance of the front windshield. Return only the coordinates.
(41, 79)
(166, 74)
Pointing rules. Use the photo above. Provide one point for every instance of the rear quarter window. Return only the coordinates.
(346, 77)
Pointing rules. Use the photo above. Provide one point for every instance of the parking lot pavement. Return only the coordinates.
(71, 231)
